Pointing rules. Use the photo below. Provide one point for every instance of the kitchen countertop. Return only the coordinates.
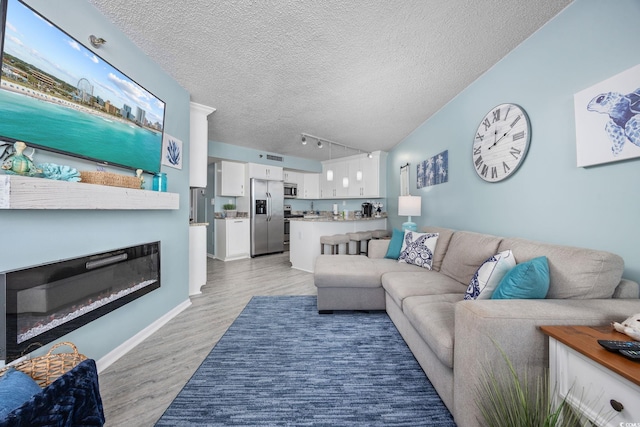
(321, 218)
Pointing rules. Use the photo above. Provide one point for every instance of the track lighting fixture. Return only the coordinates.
(369, 155)
(320, 143)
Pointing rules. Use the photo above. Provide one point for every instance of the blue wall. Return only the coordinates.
(34, 237)
(548, 198)
(243, 154)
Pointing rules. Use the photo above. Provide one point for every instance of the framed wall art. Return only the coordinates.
(608, 119)
(171, 151)
(434, 170)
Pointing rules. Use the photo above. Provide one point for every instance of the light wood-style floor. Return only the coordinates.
(138, 387)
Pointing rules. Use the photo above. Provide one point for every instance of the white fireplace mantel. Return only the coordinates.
(20, 192)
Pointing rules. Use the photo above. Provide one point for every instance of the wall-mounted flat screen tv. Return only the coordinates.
(58, 95)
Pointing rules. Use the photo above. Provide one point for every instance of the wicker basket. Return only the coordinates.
(109, 178)
(46, 369)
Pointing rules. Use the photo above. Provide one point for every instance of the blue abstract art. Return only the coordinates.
(434, 170)
(172, 152)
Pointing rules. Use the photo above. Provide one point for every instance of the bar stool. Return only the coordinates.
(380, 234)
(359, 237)
(334, 241)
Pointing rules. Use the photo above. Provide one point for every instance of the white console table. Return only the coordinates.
(599, 384)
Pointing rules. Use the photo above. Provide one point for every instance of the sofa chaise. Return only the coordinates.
(454, 339)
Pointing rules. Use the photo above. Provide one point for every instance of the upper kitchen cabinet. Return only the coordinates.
(292, 177)
(259, 171)
(355, 177)
(368, 175)
(310, 187)
(332, 179)
(230, 179)
(198, 144)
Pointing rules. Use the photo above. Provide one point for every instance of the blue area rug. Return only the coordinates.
(281, 363)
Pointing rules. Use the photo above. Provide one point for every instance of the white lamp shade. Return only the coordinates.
(409, 205)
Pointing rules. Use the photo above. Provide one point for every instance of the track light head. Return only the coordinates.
(369, 155)
(319, 144)
(304, 140)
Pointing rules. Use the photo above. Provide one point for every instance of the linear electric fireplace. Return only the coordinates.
(40, 304)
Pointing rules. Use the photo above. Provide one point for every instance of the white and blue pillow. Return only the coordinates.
(489, 275)
(418, 248)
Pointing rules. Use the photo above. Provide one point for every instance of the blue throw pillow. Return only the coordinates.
(15, 389)
(529, 280)
(395, 245)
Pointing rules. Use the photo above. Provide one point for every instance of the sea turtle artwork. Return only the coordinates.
(624, 117)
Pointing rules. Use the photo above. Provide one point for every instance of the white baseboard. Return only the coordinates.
(129, 344)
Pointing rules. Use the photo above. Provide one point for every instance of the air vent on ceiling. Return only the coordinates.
(276, 158)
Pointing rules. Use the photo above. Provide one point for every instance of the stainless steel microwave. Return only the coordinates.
(290, 190)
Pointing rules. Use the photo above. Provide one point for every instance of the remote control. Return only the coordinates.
(612, 345)
(631, 354)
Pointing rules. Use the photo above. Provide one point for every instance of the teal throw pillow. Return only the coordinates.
(395, 245)
(16, 388)
(529, 280)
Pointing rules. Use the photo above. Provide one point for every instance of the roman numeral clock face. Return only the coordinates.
(501, 142)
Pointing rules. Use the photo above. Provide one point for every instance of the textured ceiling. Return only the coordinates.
(364, 73)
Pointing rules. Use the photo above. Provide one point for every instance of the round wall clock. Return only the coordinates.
(501, 142)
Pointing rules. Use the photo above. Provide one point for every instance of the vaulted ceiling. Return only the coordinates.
(363, 73)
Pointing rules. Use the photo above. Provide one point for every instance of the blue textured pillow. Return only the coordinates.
(395, 245)
(15, 389)
(529, 280)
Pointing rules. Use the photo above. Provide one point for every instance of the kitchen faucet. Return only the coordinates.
(312, 206)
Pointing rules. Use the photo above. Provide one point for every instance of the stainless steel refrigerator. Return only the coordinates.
(267, 216)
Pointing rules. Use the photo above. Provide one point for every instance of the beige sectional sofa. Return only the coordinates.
(453, 339)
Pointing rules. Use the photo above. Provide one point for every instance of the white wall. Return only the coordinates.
(548, 198)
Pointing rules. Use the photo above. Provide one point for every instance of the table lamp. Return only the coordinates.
(409, 206)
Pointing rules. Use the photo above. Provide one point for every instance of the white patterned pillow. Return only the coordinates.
(418, 248)
(488, 276)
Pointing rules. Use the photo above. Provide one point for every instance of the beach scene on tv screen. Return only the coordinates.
(57, 94)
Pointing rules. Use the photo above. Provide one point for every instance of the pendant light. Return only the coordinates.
(329, 171)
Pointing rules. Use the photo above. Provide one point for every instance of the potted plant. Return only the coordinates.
(229, 210)
(507, 399)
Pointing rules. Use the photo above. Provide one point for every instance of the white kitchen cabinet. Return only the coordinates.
(292, 177)
(373, 182)
(310, 188)
(374, 175)
(197, 258)
(331, 189)
(198, 144)
(232, 239)
(230, 179)
(260, 171)
(356, 176)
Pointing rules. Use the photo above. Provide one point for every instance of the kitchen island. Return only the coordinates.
(306, 232)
